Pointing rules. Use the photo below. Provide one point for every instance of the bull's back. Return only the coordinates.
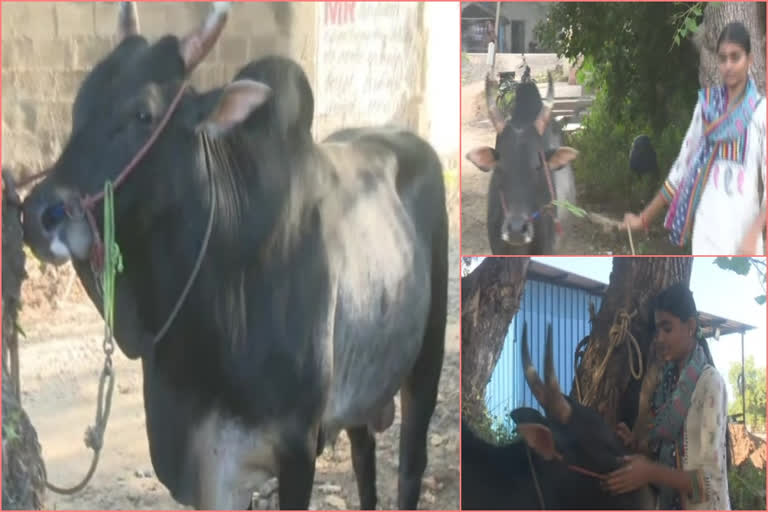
(382, 246)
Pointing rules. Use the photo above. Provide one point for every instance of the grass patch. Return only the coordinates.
(746, 487)
(602, 168)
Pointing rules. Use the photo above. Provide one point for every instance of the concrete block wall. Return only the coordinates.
(49, 47)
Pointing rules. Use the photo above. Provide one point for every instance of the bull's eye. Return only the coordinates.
(144, 116)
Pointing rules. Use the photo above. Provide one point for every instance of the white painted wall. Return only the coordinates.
(441, 96)
(379, 62)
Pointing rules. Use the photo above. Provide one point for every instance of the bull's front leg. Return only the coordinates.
(296, 475)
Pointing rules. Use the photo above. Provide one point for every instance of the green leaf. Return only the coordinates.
(739, 265)
(760, 299)
(690, 25)
(19, 329)
(575, 210)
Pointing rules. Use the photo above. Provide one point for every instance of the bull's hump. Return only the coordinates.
(355, 162)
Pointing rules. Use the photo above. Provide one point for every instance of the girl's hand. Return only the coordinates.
(633, 222)
(636, 473)
(748, 244)
(626, 435)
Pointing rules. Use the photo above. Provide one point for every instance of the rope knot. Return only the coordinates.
(94, 438)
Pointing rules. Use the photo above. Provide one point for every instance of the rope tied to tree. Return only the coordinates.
(94, 435)
(618, 333)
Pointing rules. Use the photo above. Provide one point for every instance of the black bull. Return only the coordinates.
(545, 469)
(520, 216)
(322, 286)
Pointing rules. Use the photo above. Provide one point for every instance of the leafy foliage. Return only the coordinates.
(628, 48)
(754, 390)
(604, 143)
(688, 22)
(492, 428)
(746, 487)
(742, 267)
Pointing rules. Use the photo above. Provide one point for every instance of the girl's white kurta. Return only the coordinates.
(730, 202)
(705, 437)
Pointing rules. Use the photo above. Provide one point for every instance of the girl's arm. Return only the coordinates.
(671, 477)
(682, 163)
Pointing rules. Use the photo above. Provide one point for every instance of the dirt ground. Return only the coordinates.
(61, 358)
(580, 236)
(746, 446)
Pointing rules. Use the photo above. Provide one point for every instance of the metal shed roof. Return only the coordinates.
(707, 321)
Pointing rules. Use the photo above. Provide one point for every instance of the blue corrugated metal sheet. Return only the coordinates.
(567, 308)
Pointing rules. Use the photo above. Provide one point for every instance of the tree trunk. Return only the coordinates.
(604, 381)
(490, 297)
(23, 468)
(716, 17)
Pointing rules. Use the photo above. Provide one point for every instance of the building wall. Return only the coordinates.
(389, 62)
(367, 62)
(48, 48)
(568, 310)
(528, 12)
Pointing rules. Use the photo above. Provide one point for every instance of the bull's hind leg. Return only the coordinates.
(418, 395)
(363, 446)
(363, 443)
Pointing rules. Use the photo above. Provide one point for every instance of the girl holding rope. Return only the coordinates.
(688, 429)
(712, 190)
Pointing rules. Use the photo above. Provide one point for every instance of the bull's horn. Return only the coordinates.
(559, 406)
(491, 92)
(531, 375)
(127, 20)
(542, 121)
(197, 44)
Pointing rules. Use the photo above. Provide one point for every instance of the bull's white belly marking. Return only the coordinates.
(233, 461)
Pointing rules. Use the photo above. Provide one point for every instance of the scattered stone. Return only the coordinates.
(266, 498)
(429, 497)
(138, 473)
(148, 473)
(329, 488)
(432, 484)
(336, 502)
(436, 439)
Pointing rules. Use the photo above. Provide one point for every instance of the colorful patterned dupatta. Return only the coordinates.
(669, 408)
(725, 132)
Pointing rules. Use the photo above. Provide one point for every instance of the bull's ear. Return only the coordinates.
(484, 158)
(236, 102)
(560, 157)
(540, 439)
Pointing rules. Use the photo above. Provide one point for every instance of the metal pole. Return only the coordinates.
(493, 45)
(743, 384)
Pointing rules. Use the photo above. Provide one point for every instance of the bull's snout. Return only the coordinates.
(54, 228)
(517, 229)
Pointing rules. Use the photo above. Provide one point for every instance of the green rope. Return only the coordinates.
(113, 261)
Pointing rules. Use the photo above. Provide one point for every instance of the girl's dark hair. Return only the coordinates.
(735, 32)
(677, 300)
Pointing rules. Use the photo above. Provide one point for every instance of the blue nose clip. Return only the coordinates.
(53, 215)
